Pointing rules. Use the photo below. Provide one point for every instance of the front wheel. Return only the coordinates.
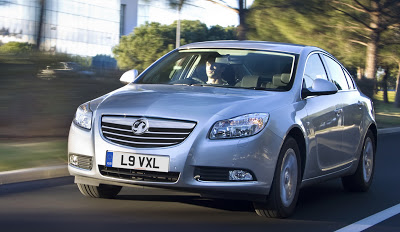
(284, 192)
(101, 191)
(361, 180)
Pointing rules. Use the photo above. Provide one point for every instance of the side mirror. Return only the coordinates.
(129, 76)
(320, 87)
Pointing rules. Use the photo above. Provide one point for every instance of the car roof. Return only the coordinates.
(246, 44)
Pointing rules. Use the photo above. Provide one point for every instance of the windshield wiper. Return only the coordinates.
(188, 84)
(265, 89)
(223, 86)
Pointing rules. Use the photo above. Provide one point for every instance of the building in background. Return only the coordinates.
(18, 20)
(128, 16)
(203, 10)
(137, 12)
(79, 27)
(91, 27)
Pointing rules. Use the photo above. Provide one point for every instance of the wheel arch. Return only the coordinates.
(298, 135)
(374, 131)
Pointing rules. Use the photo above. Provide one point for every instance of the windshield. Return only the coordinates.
(230, 68)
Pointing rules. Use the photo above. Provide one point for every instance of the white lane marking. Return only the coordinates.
(371, 220)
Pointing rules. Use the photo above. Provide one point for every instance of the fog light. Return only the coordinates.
(240, 175)
(80, 161)
(73, 159)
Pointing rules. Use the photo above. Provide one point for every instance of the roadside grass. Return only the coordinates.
(37, 117)
(19, 154)
(36, 113)
(387, 115)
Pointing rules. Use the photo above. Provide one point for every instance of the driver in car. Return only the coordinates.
(214, 70)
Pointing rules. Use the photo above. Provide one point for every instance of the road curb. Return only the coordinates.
(30, 174)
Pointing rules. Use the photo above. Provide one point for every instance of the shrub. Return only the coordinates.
(16, 48)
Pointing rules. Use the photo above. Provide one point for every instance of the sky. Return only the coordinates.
(203, 10)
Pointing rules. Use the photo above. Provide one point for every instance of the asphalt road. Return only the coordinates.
(57, 205)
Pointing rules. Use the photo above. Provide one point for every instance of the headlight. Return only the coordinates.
(238, 127)
(83, 116)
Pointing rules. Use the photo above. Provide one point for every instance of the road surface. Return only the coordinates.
(57, 205)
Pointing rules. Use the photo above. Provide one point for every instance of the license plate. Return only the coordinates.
(135, 161)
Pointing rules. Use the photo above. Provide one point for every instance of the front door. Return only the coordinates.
(324, 123)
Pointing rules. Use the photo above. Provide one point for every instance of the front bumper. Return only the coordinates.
(257, 154)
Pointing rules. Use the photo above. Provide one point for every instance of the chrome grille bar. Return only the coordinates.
(161, 132)
(115, 128)
(154, 122)
(167, 133)
(138, 137)
(139, 143)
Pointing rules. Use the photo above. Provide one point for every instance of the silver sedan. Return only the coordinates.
(228, 119)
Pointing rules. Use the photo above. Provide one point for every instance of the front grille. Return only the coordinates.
(161, 132)
(80, 161)
(138, 175)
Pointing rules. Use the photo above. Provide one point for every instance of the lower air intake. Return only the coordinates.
(138, 175)
(220, 174)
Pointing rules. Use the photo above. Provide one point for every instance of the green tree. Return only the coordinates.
(222, 33)
(390, 55)
(390, 59)
(144, 46)
(241, 10)
(397, 98)
(149, 42)
(352, 30)
(284, 21)
(311, 22)
(368, 20)
(178, 4)
(16, 48)
(192, 31)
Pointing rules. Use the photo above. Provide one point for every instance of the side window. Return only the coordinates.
(349, 80)
(336, 74)
(183, 67)
(314, 69)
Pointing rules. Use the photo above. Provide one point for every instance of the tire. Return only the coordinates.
(101, 191)
(284, 192)
(361, 180)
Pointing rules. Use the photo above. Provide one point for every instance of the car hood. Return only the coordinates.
(186, 102)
